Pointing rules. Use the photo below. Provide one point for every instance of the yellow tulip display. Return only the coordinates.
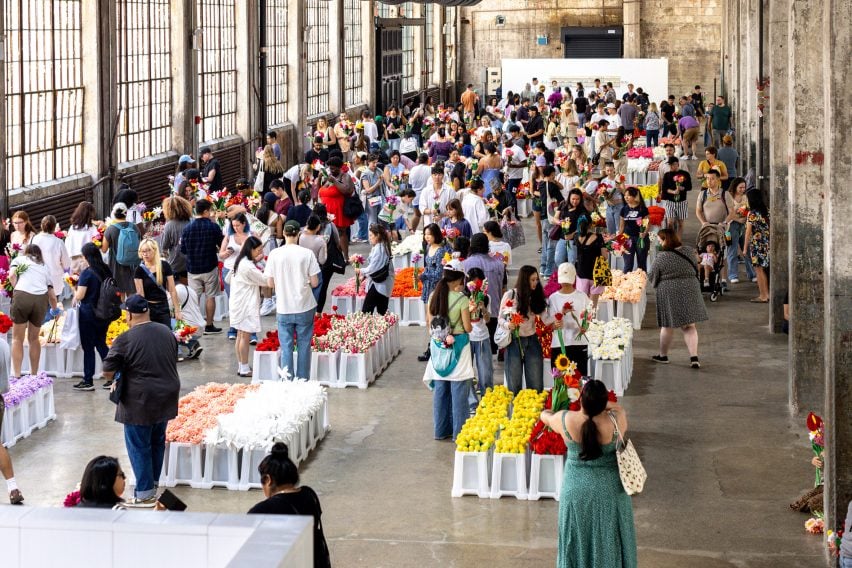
(526, 410)
(492, 414)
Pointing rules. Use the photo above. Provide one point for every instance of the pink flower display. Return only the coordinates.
(198, 411)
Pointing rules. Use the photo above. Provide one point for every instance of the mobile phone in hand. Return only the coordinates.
(171, 502)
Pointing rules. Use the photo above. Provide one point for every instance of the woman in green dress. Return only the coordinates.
(595, 514)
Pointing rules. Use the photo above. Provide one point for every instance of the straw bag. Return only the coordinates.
(602, 274)
(630, 468)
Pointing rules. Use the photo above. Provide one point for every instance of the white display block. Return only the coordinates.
(545, 477)
(74, 363)
(633, 312)
(605, 311)
(221, 303)
(265, 366)
(221, 467)
(324, 368)
(51, 360)
(524, 207)
(611, 373)
(47, 408)
(394, 339)
(509, 476)
(377, 360)
(395, 306)
(184, 465)
(616, 261)
(251, 458)
(402, 261)
(471, 472)
(413, 312)
(343, 304)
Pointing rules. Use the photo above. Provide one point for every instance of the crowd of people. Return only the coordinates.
(455, 174)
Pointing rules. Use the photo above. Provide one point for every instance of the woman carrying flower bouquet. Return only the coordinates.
(235, 236)
(93, 331)
(590, 247)
(22, 231)
(565, 309)
(737, 217)
(518, 310)
(634, 225)
(595, 514)
(379, 272)
(450, 367)
(155, 281)
(455, 220)
(433, 266)
(33, 291)
(246, 280)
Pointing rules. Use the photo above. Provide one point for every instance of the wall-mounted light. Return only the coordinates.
(541, 39)
(500, 21)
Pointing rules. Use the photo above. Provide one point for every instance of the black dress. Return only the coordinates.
(303, 502)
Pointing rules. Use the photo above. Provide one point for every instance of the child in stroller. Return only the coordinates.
(711, 241)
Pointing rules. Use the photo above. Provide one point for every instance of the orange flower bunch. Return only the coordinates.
(403, 286)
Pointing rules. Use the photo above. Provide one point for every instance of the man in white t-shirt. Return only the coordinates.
(473, 206)
(294, 271)
(419, 178)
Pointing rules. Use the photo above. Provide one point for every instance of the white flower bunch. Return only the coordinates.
(411, 244)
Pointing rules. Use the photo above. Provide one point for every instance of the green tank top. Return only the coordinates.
(456, 302)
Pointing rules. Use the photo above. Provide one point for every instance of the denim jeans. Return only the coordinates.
(318, 289)
(565, 252)
(613, 215)
(92, 337)
(637, 253)
(845, 562)
(373, 213)
(484, 361)
(146, 446)
(652, 138)
(393, 145)
(303, 326)
(548, 250)
(531, 366)
(737, 233)
(450, 407)
(363, 225)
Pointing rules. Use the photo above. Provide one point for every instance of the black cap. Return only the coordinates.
(292, 228)
(136, 304)
(205, 150)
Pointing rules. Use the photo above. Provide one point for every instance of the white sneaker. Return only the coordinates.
(267, 307)
(754, 279)
(735, 280)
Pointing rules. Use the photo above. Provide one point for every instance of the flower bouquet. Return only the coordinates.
(357, 260)
(493, 206)
(183, 332)
(617, 244)
(71, 279)
(510, 315)
(816, 433)
(833, 539)
(116, 328)
(98, 238)
(478, 289)
(13, 250)
(415, 259)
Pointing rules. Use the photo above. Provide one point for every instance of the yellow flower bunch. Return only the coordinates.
(492, 414)
(116, 328)
(648, 191)
(525, 412)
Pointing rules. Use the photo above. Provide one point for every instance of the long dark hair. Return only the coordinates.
(83, 215)
(382, 233)
(249, 245)
(439, 305)
(434, 230)
(594, 398)
(279, 467)
(98, 481)
(756, 203)
(126, 195)
(529, 299)
(95, 259)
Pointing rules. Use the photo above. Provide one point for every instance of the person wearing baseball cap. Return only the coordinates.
(211, 172)
(141, 368)
(563, 306)
(450, 368)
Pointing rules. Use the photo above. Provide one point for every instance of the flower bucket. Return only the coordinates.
(251, 458)
(353, 370)
(471, 472)
(265, 366)
(402, 261)
(343, 304)
(524, 207)
(413, 312)
(611, 373)
(184, 465)
(324, 368)
(221, 467)
(545, 477)
(509, 476)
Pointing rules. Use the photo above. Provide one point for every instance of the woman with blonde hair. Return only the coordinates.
(344, 139)
(155, 282)
(269, 166)
(329, 140)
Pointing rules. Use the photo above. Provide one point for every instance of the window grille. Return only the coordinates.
(353, 58)
(430, 43)
(44, 90)
(408, 82)
(143, 49)
(317, 55)
(217, 77)
(276, 62)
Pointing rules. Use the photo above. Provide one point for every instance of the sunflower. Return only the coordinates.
(562, 362)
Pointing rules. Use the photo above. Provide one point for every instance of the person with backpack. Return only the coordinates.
(121, 240)
(200, 243)
(93, 330)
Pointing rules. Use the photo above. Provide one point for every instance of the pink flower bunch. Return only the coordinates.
(355, 333)
(348, 288)
(640, 153)
(627, 288)
(198, 411)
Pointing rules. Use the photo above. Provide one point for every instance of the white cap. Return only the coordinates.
(455, 264)
(610, 105)
(567, 273)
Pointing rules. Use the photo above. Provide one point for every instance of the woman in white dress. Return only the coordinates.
(244, 302)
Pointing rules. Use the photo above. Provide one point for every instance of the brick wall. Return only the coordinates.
(687, 32)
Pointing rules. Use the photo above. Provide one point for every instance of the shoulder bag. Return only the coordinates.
(630, 468)
(502, 336)
(602, 274)
(259, 177)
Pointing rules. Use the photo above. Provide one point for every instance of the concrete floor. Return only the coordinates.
(723, 455)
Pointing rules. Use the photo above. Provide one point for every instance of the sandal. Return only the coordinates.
(759, 301)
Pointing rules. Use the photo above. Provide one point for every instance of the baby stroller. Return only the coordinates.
(713, 234)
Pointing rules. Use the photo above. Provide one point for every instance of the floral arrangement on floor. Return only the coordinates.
(198, 411)
(608, 340)
(526, 410)
(348, 288)
(116, 328)
(638, 165)
(626, 287)
(413, 243)
(267, 414)
(492, 414)
(269, 342)
(355, 333)
(25, 387)
(543, 440)
(403, 286)
(815, 525)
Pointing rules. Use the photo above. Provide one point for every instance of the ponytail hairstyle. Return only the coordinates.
(95, 259)
(593, 398)
(34, 253)
(249, 245)
(439, 302)
(279, 467)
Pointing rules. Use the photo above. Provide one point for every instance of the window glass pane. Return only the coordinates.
(353, 59)
(217, 77)
(316, 20)
(276, 62)
(44, 90)
(143, 49)
(430, 44)
(408, 84)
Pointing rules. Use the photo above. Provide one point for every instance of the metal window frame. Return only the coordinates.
(317, 58)
(277, 65)
(48, 75)
(429, 44)
(217, 69)
(144, 126)
(409, 50)
(353, 57)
